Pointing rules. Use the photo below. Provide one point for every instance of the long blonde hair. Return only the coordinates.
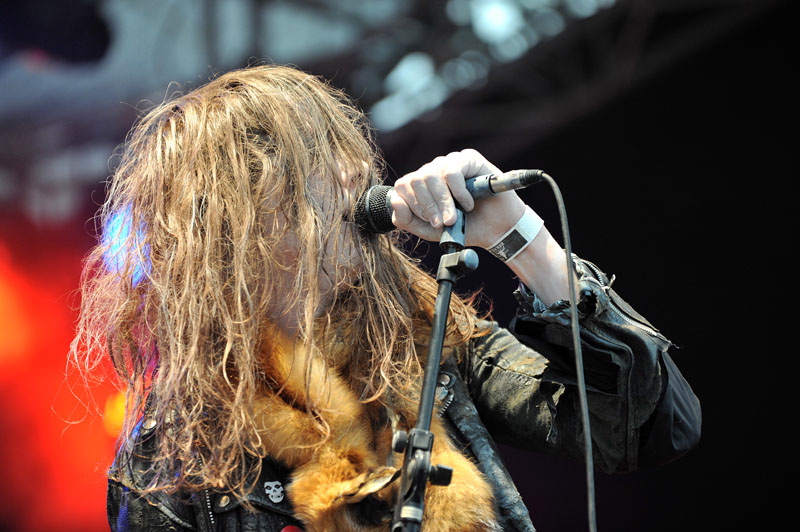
(182, 282)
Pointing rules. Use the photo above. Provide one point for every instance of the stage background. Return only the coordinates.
(679, 182)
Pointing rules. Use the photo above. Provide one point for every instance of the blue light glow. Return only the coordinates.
(118, 243)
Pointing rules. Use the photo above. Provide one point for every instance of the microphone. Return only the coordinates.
(374, 209)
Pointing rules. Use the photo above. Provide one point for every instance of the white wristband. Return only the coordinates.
(518, 237)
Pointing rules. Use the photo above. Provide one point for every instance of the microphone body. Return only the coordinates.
(374, 209)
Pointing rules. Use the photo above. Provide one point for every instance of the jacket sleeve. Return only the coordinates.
(523, 381)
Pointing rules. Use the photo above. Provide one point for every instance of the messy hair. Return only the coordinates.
(185, 278)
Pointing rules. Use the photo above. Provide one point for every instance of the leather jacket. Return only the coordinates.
(517, 386)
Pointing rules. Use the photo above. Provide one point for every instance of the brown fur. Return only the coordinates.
(344, 475)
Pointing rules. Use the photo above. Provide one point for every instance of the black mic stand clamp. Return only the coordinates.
(418, 443)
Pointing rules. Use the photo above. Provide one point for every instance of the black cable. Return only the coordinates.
(584, 404)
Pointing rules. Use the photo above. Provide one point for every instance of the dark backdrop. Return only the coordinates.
(683, 189)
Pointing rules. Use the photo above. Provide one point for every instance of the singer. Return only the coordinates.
(269, 348)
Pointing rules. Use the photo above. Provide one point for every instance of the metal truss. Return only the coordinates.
(582, 69)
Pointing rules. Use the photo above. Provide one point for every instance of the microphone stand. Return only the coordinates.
(418, 442)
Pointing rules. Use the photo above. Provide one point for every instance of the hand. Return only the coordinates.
(424, 200)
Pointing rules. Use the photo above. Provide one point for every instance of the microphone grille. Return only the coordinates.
(373, 211)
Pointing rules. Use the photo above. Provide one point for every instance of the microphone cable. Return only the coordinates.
(584, 403)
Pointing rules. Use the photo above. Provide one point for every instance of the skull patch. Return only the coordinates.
(274, 491)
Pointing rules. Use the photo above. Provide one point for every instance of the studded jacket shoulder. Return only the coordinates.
(204, 511)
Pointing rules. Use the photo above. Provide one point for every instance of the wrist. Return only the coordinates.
(542, 266)
(514, 240)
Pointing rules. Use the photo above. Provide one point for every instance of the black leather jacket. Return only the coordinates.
(515, 386)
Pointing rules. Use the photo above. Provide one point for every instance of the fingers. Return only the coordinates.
(405, 219)
(457, 187)
(432, 199)
(431, 193)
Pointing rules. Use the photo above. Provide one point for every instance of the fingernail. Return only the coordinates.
(435, 221)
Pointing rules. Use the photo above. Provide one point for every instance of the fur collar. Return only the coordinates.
(345, 475)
